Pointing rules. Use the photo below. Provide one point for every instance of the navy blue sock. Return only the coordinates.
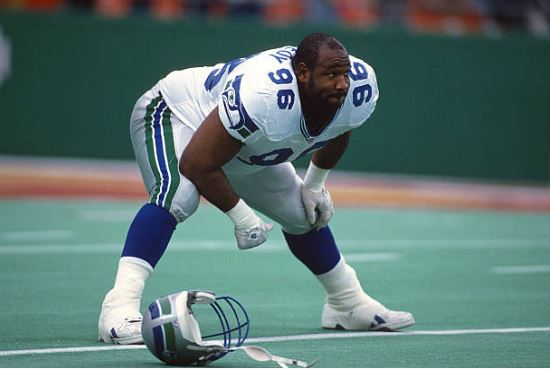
(149, 234)
(316, 249)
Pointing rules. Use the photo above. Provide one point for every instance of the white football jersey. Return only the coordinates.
(259, 105)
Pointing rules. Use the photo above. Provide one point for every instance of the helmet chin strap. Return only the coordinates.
(261, 354)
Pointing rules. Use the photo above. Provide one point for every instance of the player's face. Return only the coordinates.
(329, 80)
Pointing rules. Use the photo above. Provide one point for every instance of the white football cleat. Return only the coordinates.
(120, 324)
(366, 317)
(126, 331)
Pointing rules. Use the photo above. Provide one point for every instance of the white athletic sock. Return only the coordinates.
(129, 283)
(343, 289)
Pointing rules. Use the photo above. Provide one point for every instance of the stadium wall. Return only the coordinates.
(463, 107)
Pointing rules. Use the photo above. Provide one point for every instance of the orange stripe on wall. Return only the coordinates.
(39, 180)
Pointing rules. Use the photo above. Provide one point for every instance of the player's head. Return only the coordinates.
(308, 49)
(321, 64)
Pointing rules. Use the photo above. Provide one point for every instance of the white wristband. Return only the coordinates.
(315, 177)
(242, 215)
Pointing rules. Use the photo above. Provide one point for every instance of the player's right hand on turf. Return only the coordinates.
(250, 230)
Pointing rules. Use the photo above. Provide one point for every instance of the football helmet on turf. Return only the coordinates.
(171, 330)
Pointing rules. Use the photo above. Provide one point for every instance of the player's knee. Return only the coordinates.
(185, 206)
(296, 226)
(293, 229)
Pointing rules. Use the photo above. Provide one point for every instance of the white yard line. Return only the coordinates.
(521, 269)
(301, 337)
(108, 215)
(347, 246)
(52, 234)
(68, 350)
(446, 244)
(370, 257)
(59, 249)
(98, 248)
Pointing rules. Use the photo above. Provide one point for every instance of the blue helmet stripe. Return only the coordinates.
(154, 310)
(159, 339)
(158, 336)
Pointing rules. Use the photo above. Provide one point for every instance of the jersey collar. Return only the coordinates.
(305, 132)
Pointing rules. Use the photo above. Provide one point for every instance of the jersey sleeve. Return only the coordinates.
(363, 92)
(241, 108)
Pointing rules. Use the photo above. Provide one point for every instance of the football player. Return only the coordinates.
(229, 132)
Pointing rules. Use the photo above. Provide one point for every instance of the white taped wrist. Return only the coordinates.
(315, 177)
(242, 215)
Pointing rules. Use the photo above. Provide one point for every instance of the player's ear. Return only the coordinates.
(302, 72)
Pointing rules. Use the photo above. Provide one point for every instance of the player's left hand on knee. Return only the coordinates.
(318, 206)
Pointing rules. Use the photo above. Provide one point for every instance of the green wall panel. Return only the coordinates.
(465, 107)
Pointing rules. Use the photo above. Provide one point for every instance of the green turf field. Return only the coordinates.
(477, 282)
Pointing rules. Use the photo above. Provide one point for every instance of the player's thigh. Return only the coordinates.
(159, 138)
(276, 192)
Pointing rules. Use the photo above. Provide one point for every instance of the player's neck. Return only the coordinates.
(316, 116)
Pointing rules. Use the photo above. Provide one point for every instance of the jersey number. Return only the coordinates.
(216, 75)
(363, 93)
(285, 97)
(280, 155)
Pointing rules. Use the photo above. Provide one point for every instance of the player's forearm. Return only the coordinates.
(213, 186)
(201, 162)
(211, 182)
(328, 156)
